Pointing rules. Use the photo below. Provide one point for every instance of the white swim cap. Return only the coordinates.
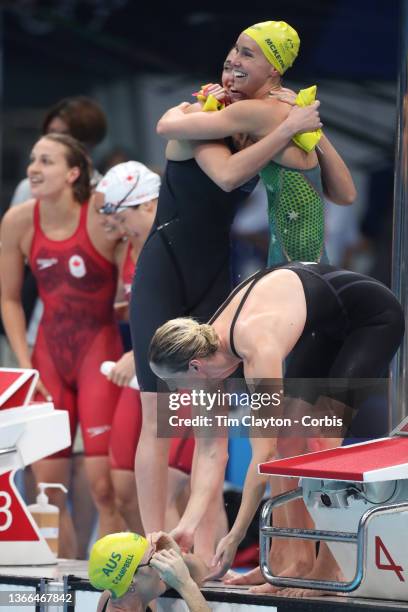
(128, 184)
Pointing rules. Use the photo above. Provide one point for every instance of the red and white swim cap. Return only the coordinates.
(129, 184)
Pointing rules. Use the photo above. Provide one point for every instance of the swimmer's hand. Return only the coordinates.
(183, 106)
(123, 371)
(224, 556)
(164, 541)
(304, 119)
(172, 569)
(218, 92)
(42, 390)
(121, 310)
(183, 537)
(285, 95)
(215, 90)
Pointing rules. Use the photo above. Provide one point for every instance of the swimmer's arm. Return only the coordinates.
(230, 170)
(263, 449)
(193, 597)
(265, 366)
(179, 151)
(211, 456)
(121, 305)
(252, 494)
(174, 572)
(11, 279)
(338, 185)
(247, 116)
(262, 366)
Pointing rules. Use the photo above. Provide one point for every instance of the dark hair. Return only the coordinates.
(84, 117)
(76, 156)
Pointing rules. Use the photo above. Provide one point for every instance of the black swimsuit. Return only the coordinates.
(148, 609)
(184, 266)
(354, 324)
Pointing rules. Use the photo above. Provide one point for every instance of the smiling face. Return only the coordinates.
(48, 170)
(251, 71)
(110, 223)
(136, 221)
(227, 78)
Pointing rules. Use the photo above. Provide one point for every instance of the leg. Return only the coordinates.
(180, 466)
(83, 507)
(299, 559)
(151, 468)
(157, 296)
(325, 568)
(287, 558)
(365, 353)
(30, 485)
(100, 482)
(58, 467)
(311, 358)
(97, 399)
(126, 499)
(178, 487)
(126, 426)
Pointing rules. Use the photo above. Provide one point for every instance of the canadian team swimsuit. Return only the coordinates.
(77, 331)
(127, 421)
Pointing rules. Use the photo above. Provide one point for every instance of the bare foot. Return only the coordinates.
(298, 568)
(252, 577)
(330, 573)
(299, 593)
(230, 575)
(265, 589)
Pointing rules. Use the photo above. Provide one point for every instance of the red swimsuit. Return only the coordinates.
(127, 423)
(77, 331)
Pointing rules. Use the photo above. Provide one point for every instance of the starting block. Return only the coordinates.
(28, 432)
(357, 496)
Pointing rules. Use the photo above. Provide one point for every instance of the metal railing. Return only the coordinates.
(359, 539)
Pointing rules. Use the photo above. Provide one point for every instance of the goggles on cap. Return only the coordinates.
(109, 208)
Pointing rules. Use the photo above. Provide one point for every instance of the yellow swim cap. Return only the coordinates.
(114, 560)
(279, 42)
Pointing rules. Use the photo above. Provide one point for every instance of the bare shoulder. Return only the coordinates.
(255, 332)
(246, 106)
(19, 218)
(266, 114)
(279, 108)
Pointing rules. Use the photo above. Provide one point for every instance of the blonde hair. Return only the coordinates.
(178, 341)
